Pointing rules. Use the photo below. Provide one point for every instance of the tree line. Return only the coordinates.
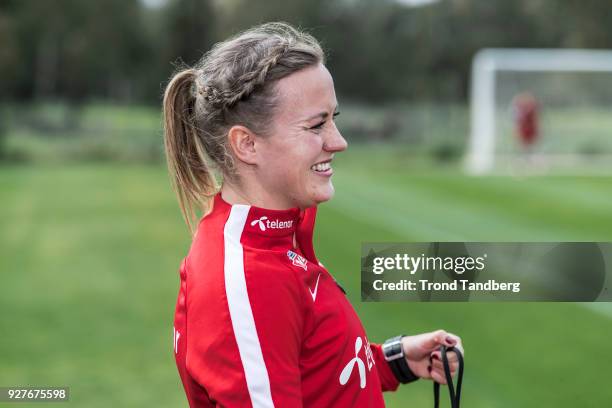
(378, 50)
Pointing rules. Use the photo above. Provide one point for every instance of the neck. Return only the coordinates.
(234, 194)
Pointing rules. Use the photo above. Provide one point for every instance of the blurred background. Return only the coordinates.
(91, 236)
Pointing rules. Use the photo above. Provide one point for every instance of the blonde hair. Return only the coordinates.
(233, 84)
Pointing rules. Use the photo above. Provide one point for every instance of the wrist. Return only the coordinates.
(393, 350)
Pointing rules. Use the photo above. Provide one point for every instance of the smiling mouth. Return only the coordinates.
(322, 167)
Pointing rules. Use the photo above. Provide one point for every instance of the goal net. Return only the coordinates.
(540, 110)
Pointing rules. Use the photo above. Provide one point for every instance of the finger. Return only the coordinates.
(452, 358)
(445, 338)
(459, 346)
(440, 368)
(437, 365)
(438, 377)
(436, 338)
(429, 370)
(458, 343)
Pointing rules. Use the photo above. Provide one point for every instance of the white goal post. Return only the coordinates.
(488, 63)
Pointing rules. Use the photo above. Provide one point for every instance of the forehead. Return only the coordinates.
(306, 93)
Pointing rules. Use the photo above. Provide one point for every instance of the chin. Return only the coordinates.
(324, 194)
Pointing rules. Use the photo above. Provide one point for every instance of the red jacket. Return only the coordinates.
(260, 322)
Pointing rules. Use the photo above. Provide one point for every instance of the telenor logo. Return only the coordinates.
(356, 361)
(264, 223)
(260, 221)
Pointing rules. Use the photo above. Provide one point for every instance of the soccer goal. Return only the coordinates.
(540, 109)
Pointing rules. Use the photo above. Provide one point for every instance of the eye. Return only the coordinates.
(320, 125)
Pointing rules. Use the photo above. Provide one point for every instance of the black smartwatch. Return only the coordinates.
(394, 354)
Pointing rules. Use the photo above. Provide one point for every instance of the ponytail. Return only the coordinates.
(192, 179)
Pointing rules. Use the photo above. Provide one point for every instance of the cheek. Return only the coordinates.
(310, 149)
(288, 163)
(303, 153)
(286, 169)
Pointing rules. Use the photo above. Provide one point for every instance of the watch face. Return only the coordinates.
(392, 349)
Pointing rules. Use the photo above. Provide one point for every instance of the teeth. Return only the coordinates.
(321, 166)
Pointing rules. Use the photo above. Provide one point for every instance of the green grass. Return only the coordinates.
(518, 355)
(89, 257)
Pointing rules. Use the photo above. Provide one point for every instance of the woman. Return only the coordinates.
(259, 321)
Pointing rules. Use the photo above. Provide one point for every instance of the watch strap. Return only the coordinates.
(394, 355)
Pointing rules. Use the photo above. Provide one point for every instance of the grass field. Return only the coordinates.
(89, 254)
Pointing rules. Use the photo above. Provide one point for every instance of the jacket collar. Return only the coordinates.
(276, 229)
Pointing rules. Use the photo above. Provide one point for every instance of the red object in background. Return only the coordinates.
(526, 118)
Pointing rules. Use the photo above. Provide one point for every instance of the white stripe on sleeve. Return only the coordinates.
(241, 314)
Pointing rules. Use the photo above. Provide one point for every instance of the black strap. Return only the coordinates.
(394, 354)
(455, 394)
(402, 371)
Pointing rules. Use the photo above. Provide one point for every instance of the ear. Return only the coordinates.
(242, 143)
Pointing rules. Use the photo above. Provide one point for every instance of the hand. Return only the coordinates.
(423, 355)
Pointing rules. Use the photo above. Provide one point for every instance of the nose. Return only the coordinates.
(334, 142)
